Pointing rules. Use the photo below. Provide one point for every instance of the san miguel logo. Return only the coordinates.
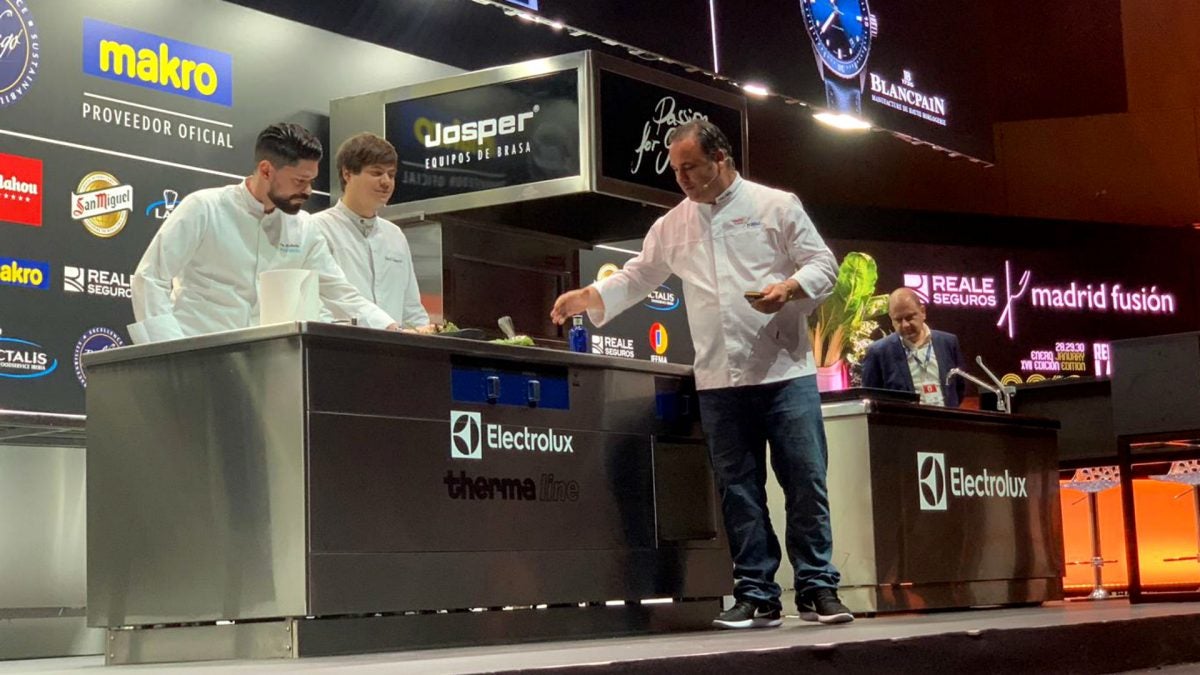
(21, 190)
(19, 51)
(102, 203)
(146, 60)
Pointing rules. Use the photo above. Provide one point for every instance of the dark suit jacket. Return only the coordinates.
(886, 366)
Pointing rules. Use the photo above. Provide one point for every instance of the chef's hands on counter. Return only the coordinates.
(775, 296)
(575, 302)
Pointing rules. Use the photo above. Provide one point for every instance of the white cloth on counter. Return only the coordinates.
(200, 273)
(375, 256)
(752, 236)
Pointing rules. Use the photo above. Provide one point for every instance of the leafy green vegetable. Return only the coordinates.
(519, 341)
(834, 325)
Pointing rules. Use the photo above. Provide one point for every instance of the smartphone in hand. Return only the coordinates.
(753, 296)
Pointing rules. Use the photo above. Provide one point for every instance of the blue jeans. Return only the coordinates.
(738, 423)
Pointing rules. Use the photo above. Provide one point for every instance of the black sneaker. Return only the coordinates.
(822, 604)
(746, 615)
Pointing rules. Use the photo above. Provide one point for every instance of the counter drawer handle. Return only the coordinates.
(493, 388)
(535, 392)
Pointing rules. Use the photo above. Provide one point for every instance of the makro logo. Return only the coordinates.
(20, 189)
(24, 360)
(20, 53)
(479, 131)
(469, 436)
(934, 487)
(662, 299)
(133, 57)
(96, 282)
(94, 340)
(24, 273)
(486, 488)
(102, 203)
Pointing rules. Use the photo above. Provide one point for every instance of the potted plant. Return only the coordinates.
(845, 321)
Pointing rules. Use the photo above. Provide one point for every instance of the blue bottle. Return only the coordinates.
(578, 335)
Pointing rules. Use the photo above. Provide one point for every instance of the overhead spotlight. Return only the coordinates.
(756, 89)
(556, 25)
(842, 121)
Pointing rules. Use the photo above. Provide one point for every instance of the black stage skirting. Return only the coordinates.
(1075, 637)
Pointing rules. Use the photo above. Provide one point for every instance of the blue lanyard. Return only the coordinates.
(928, 355)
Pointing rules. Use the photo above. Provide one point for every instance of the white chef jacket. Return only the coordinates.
(375, 256)
(752, 236)
(200, 273)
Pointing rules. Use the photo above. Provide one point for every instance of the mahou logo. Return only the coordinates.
(21, 190)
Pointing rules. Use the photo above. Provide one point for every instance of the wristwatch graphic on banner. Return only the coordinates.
(841, 32)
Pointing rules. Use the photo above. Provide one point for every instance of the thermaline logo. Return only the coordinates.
(20, 53)
(146, 60)
(96, 282)
(102, 204)
(24, 273)
(95, 340)
(24, 360)
(480, 130)
(934, 486)
(658, 338)
(462, 485)
(469, 435)
(20, 188)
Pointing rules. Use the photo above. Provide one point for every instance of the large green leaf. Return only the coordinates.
(853, 301)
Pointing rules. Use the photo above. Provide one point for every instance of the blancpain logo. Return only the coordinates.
(906, 98)
(480, 130)
(932, 483)
(469, 436)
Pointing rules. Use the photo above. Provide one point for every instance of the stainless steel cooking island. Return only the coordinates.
(309, 489)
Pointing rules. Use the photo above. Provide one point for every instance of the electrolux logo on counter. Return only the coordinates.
(24, 360)
(146, 60)
(20, 52)
(934, 489)
(469, 436)
(94, 340)
(21, 190)
(102, 203)
(24, 273)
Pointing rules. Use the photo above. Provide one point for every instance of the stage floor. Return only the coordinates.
(1108, 636)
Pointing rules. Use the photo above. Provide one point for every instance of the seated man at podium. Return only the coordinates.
(372, 251)
(914, 358)
(199, 274)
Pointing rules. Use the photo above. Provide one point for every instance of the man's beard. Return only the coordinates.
(286, 204)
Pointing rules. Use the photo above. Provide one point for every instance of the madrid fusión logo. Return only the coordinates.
(466, 435)
(931, 478)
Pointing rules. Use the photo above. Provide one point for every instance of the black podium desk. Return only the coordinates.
(307, 489)
(934, 508)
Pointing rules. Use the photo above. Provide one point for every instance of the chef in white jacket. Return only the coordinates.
(200, 273)
(373, 252)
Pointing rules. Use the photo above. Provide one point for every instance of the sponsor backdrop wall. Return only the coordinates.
(110, 113)
(1035, 307)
